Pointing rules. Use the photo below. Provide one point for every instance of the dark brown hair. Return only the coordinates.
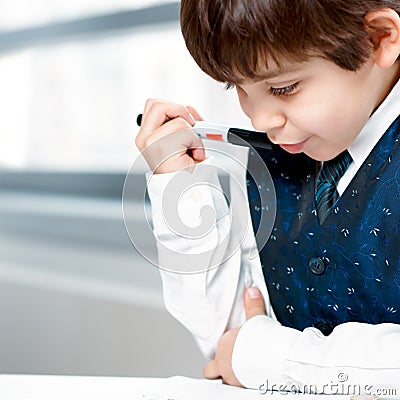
(230, 38)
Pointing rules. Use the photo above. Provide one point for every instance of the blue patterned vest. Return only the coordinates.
(348, 269)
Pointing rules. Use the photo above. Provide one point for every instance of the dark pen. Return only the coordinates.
(237, 136)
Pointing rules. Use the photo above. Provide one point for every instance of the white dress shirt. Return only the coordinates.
(266, 355)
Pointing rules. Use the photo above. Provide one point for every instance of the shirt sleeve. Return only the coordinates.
(355, 358)
(203, 275)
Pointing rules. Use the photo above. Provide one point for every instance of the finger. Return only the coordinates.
(148, 104)
(195, 114)
(198, 154)
(180, 135)
(254, 302)
(145, 138)
(166, 151)
(210, 370)
(158, 112)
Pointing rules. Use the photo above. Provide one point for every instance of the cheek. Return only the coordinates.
(325, 117)
(333, 128)
(244, 101)
(339, 105)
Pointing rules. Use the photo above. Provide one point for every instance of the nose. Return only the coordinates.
(267, 119)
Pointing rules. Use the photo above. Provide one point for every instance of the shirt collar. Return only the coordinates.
(375, 127)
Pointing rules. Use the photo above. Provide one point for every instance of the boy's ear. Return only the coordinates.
(383, 26)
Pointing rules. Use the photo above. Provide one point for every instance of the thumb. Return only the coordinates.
(253, 302)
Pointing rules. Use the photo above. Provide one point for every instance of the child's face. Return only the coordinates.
(313, 107)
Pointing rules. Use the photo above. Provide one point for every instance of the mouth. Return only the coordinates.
(294, 148)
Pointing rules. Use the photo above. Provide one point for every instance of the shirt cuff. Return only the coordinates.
(260, 352)
(184, 199)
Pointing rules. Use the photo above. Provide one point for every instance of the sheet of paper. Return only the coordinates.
(45, 387)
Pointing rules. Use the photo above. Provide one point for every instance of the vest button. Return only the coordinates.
(324, 327)
(317, 266)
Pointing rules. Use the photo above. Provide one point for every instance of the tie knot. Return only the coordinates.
(334, 169)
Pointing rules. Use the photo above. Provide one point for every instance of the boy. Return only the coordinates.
(320, 77)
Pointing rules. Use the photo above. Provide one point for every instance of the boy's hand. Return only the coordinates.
(221, 366)
(164, 137)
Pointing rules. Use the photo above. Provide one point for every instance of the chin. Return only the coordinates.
(314, 156)
(318, 156)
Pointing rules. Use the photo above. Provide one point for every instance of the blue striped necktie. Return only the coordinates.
(326, 195)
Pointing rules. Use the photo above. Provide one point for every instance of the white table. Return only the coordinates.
(53, 387)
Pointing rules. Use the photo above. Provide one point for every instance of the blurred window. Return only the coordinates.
(79, 73)
(19, 14)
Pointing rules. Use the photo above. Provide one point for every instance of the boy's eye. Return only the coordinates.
(284, 91)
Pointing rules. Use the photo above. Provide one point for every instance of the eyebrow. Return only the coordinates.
(272, 73)
(279, 71)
